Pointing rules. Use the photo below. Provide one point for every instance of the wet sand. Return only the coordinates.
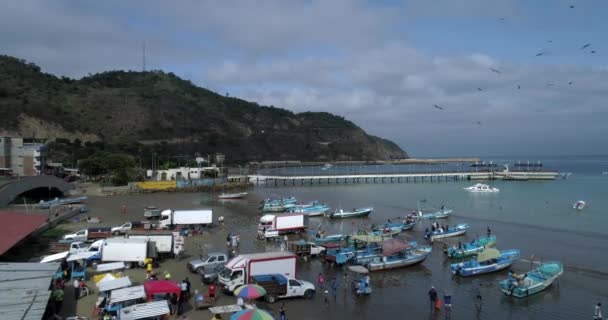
(396, 294)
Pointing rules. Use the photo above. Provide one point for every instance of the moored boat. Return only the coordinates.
(355, 213)
(489, 260)
(481, 188)
(457, 230)
(329, 238)
(61, 201)
(398, 254)
(533, 281)
(471, 248)
(443, 213)
(579, 205)
(227, 196)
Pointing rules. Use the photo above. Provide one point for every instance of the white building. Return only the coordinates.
(183, 173)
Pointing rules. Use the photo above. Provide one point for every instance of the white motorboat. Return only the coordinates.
(579, 205)
(226, 196)
(480, 187)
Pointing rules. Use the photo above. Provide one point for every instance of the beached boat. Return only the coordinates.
(61, 201)
(371, 251)
(533, 281)
(335, 253)
(443, 213)
(278, 201)
(356, 213)
(457, 230)
(312, 209)
(280, 207)
(489, 260)
(330, 238)
(481, 188)
(398, 254)
(472, 248)
(579, 205)
(227, 196)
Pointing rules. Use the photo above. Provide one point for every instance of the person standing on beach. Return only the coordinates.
(597, 314)
(489, 231)
(433, 297)
(334, 286)
(76, 285)
(282, 315)
(320, 280)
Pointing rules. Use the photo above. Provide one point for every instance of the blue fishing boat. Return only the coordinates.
(454, 231)
(317, 209)
(61, 201)
(355, 213)
(371, 251)
(398, 254)
(320, 238)
(472, 248)
(533, 281)
(277, 201)
(443, 213)
(489, 260)
(335, 253)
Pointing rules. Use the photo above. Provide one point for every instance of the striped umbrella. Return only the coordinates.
(250, 291)
(252, 314)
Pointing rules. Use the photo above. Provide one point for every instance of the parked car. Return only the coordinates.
(209, 261)
(210, 274)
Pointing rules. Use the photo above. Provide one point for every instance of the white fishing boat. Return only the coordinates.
(480, 187)
(579, 205)
(225, 196)
(355, 213)
(327, 166)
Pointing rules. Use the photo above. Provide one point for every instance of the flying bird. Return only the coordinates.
(502, 19)
(592, 51)
(549, 41)
(571, 7)
(437, 107)
(550, 84)
(479, 123)
(518, 87)
(540, 54)
(495, 70)
(585, 46)
(570, 83)
(479, 89)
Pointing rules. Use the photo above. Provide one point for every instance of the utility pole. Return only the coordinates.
(143, 57)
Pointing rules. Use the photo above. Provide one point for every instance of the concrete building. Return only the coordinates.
(184, 173)
(21, 159)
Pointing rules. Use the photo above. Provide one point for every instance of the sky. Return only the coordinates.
(381, 64)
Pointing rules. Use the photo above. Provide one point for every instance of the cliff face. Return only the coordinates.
(160, 110)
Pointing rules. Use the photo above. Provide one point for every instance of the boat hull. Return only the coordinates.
(397, 263)
(539, 280)
(356, 214)
(471, 249)
(457, 231)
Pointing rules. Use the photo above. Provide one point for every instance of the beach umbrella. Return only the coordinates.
(252, 314)
(250, 291)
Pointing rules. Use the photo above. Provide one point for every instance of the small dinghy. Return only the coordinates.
(579, 205)
(489, 260)
(481, 188)
(443, 213)
(228, 196)
(533, 281)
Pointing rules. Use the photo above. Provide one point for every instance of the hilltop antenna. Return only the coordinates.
(143, 57)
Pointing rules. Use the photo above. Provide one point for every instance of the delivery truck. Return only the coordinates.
(239, 270)
(133, 251)
(279, 286)
(186, 218)
(271, 226)
(167, 243)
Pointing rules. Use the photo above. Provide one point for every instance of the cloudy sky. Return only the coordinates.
(382, 64)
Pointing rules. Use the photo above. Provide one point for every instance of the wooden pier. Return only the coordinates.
(276, 180)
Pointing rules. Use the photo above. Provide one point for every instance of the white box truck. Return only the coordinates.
(172, 218)
(271, 225)
(240, 269)
(127, 250)
(167, 243)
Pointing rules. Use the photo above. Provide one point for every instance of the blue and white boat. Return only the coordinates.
(472, 248)
(61, 201)
(398, 254)
(356, 213)
(329, 238)
(312, 209)
(533, 281)
(489, 260)
(454, 231)
(443, 213)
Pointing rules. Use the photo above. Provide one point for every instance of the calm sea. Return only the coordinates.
(534, 216)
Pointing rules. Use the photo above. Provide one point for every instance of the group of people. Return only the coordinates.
(435, 226)
(436, 302)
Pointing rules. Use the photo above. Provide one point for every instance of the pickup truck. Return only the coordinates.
(90, 234)
(302, 248)
(279, 286)
(209, 261)
(70, 246)
(132, 225)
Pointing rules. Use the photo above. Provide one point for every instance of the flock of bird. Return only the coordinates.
(539, 54)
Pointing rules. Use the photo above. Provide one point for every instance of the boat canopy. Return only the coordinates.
(392, 246)
(488, 254)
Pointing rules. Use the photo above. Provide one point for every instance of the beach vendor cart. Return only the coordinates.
(361, 281)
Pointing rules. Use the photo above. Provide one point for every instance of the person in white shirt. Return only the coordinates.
(597, 314)
(240, 303)
(76, 289)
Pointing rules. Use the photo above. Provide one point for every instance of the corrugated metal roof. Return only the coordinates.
(126, 294)
(16, 226)
(24, 289)
(55, 257)
(110, 266)
(114, 284)
(145, 310)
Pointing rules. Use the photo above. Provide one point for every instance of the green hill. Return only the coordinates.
(145, 112)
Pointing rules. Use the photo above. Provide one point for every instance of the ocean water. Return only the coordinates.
(535, 217)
